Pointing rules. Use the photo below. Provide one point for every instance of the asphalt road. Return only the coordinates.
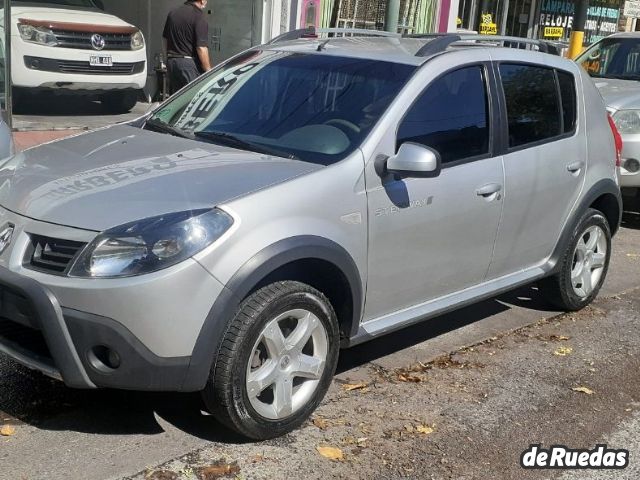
(485, 404)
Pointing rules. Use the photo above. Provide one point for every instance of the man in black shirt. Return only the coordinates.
(186, 33)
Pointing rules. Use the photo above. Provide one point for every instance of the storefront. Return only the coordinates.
(545, 19)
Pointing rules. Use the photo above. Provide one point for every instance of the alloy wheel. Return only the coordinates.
(589, 260)
(286, 364)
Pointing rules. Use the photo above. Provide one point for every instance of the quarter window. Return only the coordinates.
(533, 107)
(568, 95)
(451, 116)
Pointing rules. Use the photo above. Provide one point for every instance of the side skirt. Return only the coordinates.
(439, 306)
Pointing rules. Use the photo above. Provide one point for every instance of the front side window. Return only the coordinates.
(533, 107)
(314, 107)
(451, 116)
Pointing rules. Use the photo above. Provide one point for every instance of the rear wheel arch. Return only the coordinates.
(603, 196)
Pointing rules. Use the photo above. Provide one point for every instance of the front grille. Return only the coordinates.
(82, 40)
(52, 255)
(75, 66)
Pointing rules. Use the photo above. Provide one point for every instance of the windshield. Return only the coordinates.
(318, 108)
(613, 58)
(63, 3)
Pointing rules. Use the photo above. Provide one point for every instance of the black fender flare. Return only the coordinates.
(602, 187)
(248, 276)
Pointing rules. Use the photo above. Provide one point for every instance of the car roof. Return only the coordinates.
(388, 49)
(624, 34)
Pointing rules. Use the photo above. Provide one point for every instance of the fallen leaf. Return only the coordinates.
(321, 423)
(633, 255)
(331, 453)
(424, 429)
(563, 351)
(7, 430)
(161, 475)
(214, 472)
(586, 390)
(408, 428)
(348, 387)
(409, 378)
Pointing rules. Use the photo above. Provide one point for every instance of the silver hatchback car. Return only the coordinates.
(305, 196)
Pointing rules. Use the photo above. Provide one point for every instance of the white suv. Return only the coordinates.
(73, 46)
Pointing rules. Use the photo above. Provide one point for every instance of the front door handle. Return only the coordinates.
(575, 167)
(488, 190)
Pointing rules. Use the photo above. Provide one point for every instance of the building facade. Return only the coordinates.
(543, 19)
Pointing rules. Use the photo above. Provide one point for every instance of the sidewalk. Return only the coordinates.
(24, 140)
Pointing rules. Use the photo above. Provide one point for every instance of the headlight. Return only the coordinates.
(627, 121)
(137, 41)
(151, 244)
(41, 35)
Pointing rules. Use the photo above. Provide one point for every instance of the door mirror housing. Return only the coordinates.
(415, 160)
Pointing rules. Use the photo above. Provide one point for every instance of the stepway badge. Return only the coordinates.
(561, 457)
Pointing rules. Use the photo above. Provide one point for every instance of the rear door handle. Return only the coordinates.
(488, 190)
(575, 167)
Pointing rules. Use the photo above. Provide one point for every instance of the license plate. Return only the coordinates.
(101, 61)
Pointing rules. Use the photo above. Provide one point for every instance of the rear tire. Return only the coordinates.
(119, 101)
(584, 265)
(276, 361)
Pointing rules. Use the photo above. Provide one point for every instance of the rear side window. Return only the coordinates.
(451, 116)
(533, 106)
(568, 96)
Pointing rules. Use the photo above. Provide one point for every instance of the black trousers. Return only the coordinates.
(181, 72)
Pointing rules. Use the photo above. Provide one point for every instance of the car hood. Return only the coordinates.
(65, 15)
(120, 174)
(619, 94)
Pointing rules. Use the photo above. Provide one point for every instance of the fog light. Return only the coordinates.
(631, 165)
(103, 359)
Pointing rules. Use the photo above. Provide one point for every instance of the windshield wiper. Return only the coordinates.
(230, 140)
(159, 126)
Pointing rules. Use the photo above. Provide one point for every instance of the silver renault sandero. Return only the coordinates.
(305, 196)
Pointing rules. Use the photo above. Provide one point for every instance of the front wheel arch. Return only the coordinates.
(269, 265)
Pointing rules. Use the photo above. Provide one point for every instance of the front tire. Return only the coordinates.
(584, 265)
(276, 361)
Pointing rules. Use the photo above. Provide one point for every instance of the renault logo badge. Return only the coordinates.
(5, 237)
(98, 42)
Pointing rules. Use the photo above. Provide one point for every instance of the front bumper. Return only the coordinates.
(61, 68)
(40, 334)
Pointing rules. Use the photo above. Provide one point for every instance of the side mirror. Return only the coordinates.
(99, 4)
(415, 160)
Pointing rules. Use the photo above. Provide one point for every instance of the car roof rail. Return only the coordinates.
(359, 32)
(313, 32)
(294, 35)
(440, 42)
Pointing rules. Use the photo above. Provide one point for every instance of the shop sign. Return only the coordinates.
(602, 18)
(488, 27)
(632, 9)
(553, 32)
